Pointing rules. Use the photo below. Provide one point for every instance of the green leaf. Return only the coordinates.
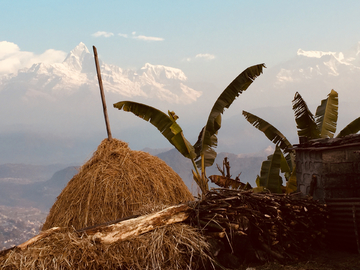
(207, 138)
(270, 172)
(209, 154)
(257, 181)
(259, 189)
(269, 130)
(284, 166)
(166, 124)
(290, 159)
(327, 114)
(304, 119)
(351, 128)
(291, 184)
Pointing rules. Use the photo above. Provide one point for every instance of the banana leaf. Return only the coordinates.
(326, 115)
(272, 133)
(257, 181)
(290, 159)
(258, 188)
(270, 172)
(209, 154)
(291, 184)
(304, 119)
(284, 167)
(207, 139)
(351, 128)
(166, 124)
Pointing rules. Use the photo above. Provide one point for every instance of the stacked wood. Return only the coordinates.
(267, 226)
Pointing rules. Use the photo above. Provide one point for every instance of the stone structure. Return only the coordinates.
(329, 168)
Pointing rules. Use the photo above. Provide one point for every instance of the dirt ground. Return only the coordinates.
(328, 259)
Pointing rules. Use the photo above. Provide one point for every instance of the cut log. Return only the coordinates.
(136, 226)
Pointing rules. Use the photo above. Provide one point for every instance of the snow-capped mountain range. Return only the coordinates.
(77, 71)
(318, 63)
(311, 73)
(52, 112)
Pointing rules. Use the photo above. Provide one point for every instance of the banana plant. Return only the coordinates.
(202, 153)
(274, 135)
(270, 172)
(322, 125)
(207, 140)
(270, 178)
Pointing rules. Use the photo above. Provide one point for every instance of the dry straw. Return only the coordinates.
(176, 246)
(113, 184)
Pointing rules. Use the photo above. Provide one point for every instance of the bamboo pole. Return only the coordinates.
(102, 94)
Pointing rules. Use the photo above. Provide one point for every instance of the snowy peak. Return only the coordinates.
(162, 72)
(315, 54)
(315, 73)
(77, 56)
(354, 51)
(80, 49)
(353, 55)
(78, 71)
(350, 57)
(315, 64)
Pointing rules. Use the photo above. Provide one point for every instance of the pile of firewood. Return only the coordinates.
(242, 225)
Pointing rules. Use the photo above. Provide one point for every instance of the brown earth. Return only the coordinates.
(328, 259)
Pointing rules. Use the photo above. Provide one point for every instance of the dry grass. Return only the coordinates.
(176, 246)
(113, 184)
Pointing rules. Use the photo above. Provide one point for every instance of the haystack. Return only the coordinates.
(113, 184)
(176, 246)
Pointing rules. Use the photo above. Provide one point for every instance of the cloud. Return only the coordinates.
(148, 38)
(205, 56)
(123, 35)
(7, 48)
(102, 34)
(12, 58)
(140, 37)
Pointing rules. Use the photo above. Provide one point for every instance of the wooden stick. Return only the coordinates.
(102, 94)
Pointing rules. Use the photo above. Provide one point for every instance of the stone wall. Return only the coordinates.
(337, 170)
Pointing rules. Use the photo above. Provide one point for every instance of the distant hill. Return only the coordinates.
(155, 152)
(40, 195)
(24, 173)
(248, 165)
(18, 191)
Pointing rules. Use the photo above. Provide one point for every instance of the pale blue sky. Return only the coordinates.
(227, 36)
